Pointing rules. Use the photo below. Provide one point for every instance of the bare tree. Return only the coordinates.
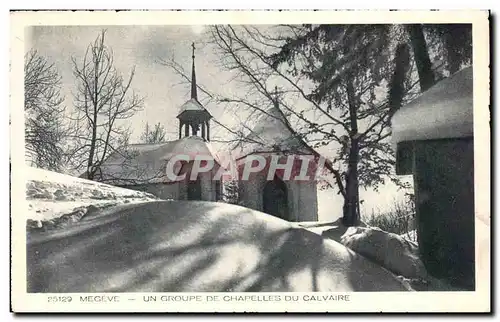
(341, 112)
(339, 84)
(103, 99)
(153, 135)
(45, 130)
(336, 72)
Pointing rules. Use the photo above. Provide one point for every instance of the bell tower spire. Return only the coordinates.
(194, 92)
(194, 119)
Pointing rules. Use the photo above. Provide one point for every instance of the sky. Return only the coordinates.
(144, 47)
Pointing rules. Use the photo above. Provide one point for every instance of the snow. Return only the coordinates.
(270, 134)
(51, 195)
(389, 250)
(443, 111)
(332, 230)
(411, 236)
(192, 105)
(145, 163)
(194, 246)
(395, 253)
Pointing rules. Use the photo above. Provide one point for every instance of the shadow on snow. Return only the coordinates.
(194, 246)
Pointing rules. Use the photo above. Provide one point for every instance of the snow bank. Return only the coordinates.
(443, 111)
(387, 249)
(331, 230)
(195, 246)
(398, 254)
(55, 199)
(411, 236)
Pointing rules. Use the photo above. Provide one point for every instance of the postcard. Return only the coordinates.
(250, 161)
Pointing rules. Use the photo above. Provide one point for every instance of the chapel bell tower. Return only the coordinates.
(193, 116)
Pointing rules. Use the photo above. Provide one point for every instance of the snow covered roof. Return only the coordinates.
(192, 105)
(443, 111)
(271, 134)
(145, 163)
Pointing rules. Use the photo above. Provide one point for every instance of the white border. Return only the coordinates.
(361, 302)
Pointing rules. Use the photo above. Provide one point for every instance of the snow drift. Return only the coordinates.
(396, 253)
(387, 249)
(411, 236)
(56, 199)
(171, 246)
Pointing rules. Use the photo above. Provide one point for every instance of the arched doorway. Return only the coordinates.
(193, 186)
(194, 189)
(275, 198)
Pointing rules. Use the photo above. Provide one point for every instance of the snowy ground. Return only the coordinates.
(86, 236)
(411, 236)
(390, 250)
(194, 246)
(54, 198)
(398, 254)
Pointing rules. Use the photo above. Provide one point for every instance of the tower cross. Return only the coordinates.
(276, 93)
(194, 92)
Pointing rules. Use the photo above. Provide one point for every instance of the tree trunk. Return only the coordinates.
(351, 211)
(422, 60)
(397, 85)
(458, 43)
(90, 162)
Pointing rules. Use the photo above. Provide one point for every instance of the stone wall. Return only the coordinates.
(178, 190)
(302, 197)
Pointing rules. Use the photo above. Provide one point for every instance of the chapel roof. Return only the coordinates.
(192, 105)
(145, 163)
(272, 133)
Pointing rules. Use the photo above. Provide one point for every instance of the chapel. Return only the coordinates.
(277, 194)
(143, 166)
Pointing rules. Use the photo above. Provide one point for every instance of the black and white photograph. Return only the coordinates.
(265, 162)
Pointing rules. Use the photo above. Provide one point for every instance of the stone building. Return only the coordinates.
(289, 199)
(144, 166)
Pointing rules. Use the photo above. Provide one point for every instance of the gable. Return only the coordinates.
(272, 133)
